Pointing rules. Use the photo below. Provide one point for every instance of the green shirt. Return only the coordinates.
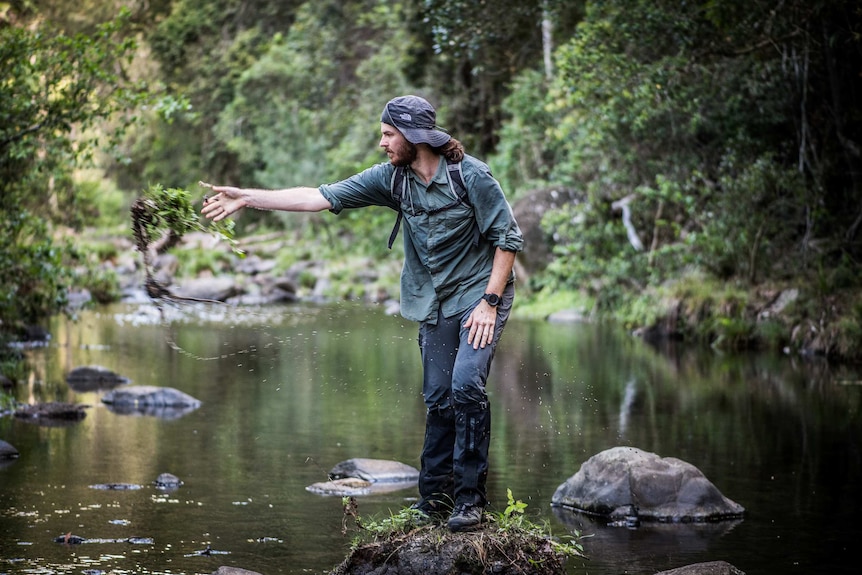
(444, 265)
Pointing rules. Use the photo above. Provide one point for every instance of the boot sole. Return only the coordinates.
(465, 528)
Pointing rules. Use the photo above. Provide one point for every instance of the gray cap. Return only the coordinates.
(416, 119)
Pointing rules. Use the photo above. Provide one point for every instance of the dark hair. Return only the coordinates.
(453, 150)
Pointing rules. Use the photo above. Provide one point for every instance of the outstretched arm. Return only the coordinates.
(228, 200)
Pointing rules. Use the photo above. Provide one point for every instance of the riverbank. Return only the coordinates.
(793, 317)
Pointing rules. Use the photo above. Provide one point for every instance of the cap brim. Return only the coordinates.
(434, 138)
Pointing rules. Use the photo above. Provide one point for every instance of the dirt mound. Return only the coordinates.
(433, 550)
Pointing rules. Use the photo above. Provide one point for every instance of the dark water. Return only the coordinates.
(289, 392)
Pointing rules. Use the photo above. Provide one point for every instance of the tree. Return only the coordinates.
(55, 88)
(723, 127)
(474, 50)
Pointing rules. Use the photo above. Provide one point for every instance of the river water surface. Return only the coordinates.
(288, 392)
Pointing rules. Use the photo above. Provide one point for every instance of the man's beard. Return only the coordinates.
(404, 156)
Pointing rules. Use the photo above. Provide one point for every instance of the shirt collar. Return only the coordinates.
(440, 177)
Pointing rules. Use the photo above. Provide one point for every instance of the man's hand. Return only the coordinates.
(226, 201)
(481, 323)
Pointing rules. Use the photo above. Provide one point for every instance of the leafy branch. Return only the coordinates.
(160, 219)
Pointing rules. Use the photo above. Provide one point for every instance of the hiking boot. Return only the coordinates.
(430, 511)
(465, 517)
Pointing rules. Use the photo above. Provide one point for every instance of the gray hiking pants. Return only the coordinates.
(458, 421)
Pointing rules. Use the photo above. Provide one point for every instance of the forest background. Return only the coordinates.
(696, 164)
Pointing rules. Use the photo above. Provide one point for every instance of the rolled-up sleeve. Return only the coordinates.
(493, 213)
(367, 188)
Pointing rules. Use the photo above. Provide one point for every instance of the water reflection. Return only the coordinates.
(647, 544)
(287, 392)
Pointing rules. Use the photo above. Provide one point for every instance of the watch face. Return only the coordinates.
(492, 298)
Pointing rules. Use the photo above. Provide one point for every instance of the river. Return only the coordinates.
(288, 392)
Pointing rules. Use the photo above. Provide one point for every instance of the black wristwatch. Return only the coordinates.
(492, 299)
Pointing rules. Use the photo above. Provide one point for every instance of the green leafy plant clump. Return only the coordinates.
(162, 216)
(160, 219)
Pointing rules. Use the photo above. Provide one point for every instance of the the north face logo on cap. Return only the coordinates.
(406, 117)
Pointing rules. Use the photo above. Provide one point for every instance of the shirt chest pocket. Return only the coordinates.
(444, 220)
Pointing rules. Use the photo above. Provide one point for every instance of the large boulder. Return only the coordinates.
(628, 485)
(529, 211)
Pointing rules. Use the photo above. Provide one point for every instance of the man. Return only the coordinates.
(457, 282)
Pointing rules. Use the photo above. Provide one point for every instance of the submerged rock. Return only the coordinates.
(167, 481)
(361, 476)
(708, 568)
(94, 378)
(341, 487)
(627, 485)
(52, 413)
(164, 402)
(117, 486)
(226, 570)
(69, 539)
(375, 470)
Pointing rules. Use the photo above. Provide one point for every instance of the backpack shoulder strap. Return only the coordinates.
(396, 188)
(456, 179)
(399, 182)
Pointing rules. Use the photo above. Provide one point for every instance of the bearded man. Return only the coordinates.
(457, 282)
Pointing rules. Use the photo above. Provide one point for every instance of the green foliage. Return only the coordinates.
(33, 270)
(691, 114)
(727, 127)
(523, 160)
(106, 205)
(542, 305)
(168, 214)
(592, 255)
(513, 520)
(400, 523)
(746, 230)
(7, 402)
(55, 90)
(514, 508)
(475, 50)
(511, 528)
(103, 284)
(320, 120)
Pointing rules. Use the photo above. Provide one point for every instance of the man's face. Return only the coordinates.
(400, 151)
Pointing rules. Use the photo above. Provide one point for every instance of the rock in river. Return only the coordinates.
(164, 402)
(94, 378)
(361, 476)
(626, 484)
